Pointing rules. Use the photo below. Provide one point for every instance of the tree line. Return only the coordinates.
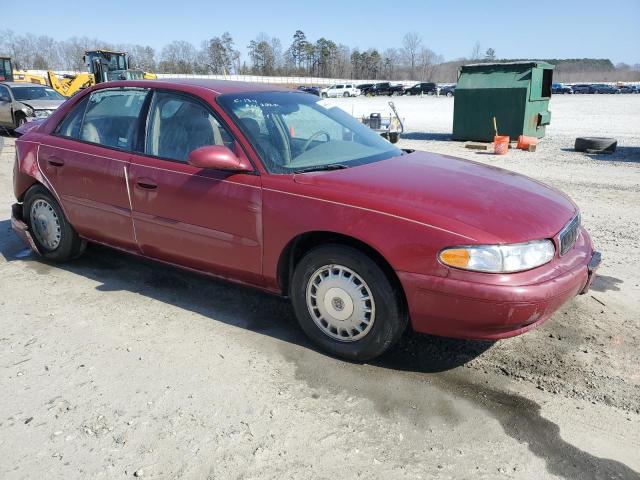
(302, 56)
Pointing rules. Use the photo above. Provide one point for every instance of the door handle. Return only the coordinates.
(146, 184)
(55, 161)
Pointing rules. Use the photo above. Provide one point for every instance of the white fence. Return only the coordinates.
(318, 81)
(294, 81)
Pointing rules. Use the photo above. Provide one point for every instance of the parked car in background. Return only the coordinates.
(340, 90)
(265, 187)
(560, 88)
(425, 87)
(628, 88)
(22, 102)
(364, 87)
(581, 88)
(603, 88)
(312, 90)
(386, 88)
(447, 90)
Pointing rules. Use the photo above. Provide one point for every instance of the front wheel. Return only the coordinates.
(20, 120)
(53, 235)
(346, 304)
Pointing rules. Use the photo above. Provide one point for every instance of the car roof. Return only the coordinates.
(23, 84)
(219, 87)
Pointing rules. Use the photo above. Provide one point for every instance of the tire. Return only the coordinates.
(324, 95)
(63, 246)
(387, 319)
(449, 94)
(345, 94)
(596, 144)
(596, 91)
(20, 120)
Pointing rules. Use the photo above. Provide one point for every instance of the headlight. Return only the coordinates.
(28, 111)
(42, 113)
(499, 258)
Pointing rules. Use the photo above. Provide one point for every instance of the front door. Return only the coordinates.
(203, 219)
(86, 162)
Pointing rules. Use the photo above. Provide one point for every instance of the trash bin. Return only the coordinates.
(516, 93)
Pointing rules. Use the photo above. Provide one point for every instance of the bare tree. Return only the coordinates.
(490, 54)
(390, 63)
(219, 54)
(476, 52)
(178, 57)
(410, 47)
(428, 60)
(262, 55)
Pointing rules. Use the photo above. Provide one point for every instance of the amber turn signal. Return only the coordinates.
(455, 257)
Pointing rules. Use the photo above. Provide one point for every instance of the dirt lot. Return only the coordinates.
(112, 367)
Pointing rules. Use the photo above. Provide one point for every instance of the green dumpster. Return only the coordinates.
(516, 93)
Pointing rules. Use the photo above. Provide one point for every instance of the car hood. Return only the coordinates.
(43, 104)
(481, 203)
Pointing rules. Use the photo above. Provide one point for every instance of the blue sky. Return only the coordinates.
(535, 29)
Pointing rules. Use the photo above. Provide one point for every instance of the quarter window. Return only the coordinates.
(70, 126)
(112, 117)
(179, 125)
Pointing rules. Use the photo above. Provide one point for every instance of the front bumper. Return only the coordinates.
(21, 228)
(452, 307)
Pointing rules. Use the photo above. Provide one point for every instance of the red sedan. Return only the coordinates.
(267, 187)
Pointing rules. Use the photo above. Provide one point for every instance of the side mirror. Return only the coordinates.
(218, 157)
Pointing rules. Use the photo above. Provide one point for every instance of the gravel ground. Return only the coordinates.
(114, 367)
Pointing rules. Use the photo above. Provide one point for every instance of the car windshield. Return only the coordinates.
(35, 93)
(293, 131)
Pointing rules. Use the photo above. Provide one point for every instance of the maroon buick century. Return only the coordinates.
(267, 187)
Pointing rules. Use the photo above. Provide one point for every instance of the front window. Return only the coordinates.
(179, 124)
(114, 61)
(35, 93)
(293, 132)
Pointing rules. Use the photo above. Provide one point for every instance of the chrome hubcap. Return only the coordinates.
(340, 303)
(45, 224)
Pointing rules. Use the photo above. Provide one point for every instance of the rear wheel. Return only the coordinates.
(345, 94)
(346, 304)
(53, 235)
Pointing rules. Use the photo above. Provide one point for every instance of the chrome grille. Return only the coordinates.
(569, 234)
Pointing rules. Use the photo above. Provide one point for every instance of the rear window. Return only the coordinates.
(111, 117)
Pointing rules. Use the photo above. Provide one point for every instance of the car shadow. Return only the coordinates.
(233, 304)
(421, 353)
(5, 132)
(273, 316)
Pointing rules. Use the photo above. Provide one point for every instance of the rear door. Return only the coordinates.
(86, 161)
(204, 219)
(6, 118)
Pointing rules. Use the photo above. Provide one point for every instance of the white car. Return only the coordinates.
(341, 90)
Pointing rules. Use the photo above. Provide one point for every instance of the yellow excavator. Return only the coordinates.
(8, 74)
(102, 66)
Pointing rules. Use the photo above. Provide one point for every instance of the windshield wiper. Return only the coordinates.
(319, 168)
